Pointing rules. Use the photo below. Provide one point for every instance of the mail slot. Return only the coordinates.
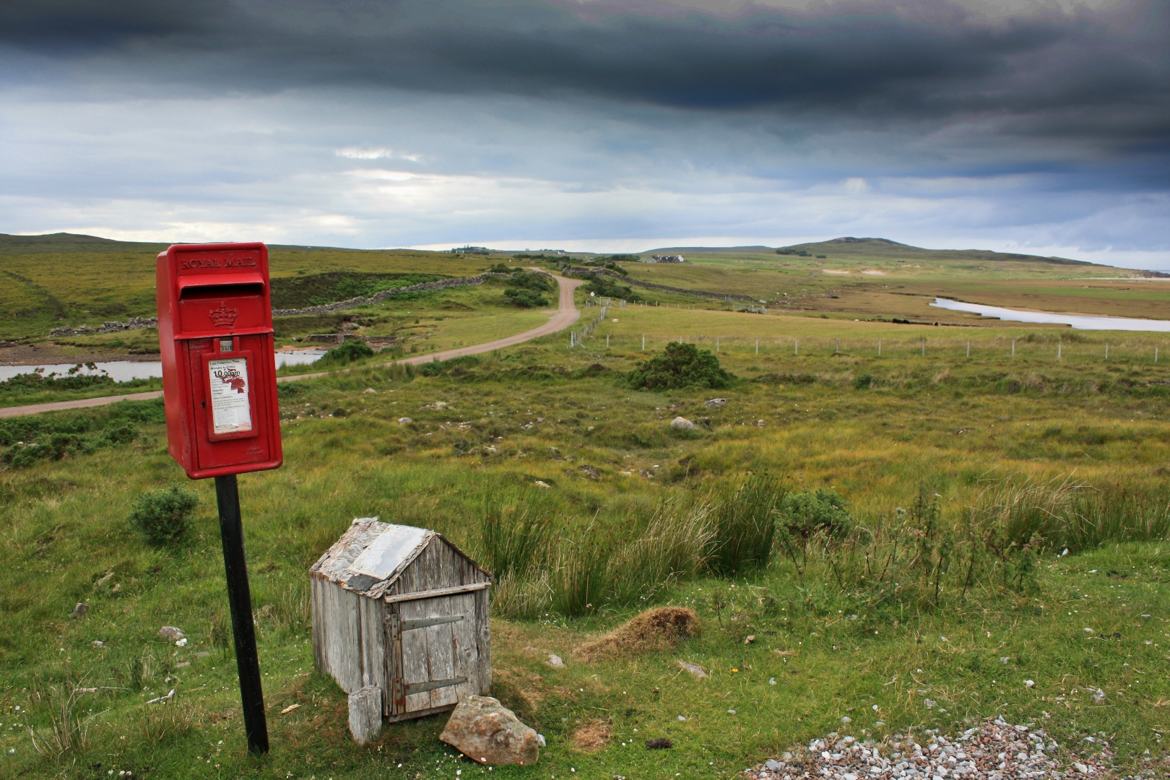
(218, 358)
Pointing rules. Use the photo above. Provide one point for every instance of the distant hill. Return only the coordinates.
(71, 239)
(848, 246)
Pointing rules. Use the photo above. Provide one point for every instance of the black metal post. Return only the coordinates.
(240, 598)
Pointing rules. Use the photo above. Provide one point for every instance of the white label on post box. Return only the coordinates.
(230, 410)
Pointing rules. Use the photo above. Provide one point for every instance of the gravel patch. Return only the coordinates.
(996, 750)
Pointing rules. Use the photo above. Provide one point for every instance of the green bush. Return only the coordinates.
(348, 352)
(603, 287)
(680, 365)
(164, 516)
(531, 280)
(525, 298)
(743, 525)
(810, 512)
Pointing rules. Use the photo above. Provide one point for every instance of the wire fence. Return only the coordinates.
(1076, 347)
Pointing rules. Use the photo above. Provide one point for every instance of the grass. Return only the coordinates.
(627, 509)
(938, 584)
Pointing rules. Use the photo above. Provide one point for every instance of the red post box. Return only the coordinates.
(218, 359)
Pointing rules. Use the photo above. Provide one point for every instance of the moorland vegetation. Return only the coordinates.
(881, 527)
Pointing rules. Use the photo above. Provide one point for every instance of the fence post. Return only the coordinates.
(758, 350)
(879, 347)
(1106, 351)
(607, 341)
(1059, 349)
(643, 342)
(968, 349)
(796, 346)
(1013, 347)
(716, 345)
(837, 347)
(923, 349)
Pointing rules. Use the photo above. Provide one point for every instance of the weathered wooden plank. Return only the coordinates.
(427, 622)
(373, 648)
(463, 644)
(343, 641)
(483, 641)
(395, 703)
(440, 645)
(319, 617)
(415, 657)
(365, 714)
(437, 592)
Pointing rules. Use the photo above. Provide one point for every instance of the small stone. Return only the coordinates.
(540, 483)
(681, 424)
(370, 391)
(715, 403)
(171, 633)
(404, 421)
(747, 640)
(696, 671)
(555, 661)
(659, 743)
(181, 642)
(773, 765)
(79, 610)
(1029, 683)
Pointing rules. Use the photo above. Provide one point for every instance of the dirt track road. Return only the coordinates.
(566, 314)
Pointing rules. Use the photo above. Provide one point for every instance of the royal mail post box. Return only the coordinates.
(219, 365)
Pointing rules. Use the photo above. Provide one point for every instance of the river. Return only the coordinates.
(1077, 321)
(126, 370)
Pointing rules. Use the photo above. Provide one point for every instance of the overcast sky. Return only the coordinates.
(598, 124)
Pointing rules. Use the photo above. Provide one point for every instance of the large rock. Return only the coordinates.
(488, 732)
(682, 424)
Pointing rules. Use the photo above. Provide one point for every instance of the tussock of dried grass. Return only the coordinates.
(592, 736)
(661, 628)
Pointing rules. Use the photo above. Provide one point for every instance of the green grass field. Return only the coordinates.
(943, 588)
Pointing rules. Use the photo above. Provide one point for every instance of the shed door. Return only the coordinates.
(438, 661)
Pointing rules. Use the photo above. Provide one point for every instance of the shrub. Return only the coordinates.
(531, 280)
(608, 288)
(525, 298)
(680, 365)
(743, 526)
(347, 352)
(164, 516)
(814, 511)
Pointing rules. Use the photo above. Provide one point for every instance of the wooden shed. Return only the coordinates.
(402, 609)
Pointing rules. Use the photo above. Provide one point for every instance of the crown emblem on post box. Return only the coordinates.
(223, 316)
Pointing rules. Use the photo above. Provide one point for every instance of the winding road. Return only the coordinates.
(566, 314)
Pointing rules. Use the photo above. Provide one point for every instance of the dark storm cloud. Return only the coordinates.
(927, 58)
